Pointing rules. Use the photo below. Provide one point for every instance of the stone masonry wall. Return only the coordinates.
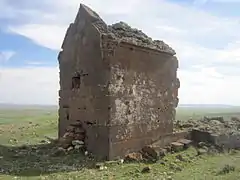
(83, 75)
(118, 86)
(142, 88)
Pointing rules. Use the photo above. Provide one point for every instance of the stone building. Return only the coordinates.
(118, 87)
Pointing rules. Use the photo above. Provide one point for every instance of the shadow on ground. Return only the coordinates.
(42, 159)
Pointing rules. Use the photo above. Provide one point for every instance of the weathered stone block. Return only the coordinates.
(226, 141)
(176, 146)
(185, 142)
(133, 157)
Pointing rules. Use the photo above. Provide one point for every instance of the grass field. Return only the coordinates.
(34, 160)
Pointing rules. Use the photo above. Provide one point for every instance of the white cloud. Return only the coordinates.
(6, 10)
(207, 46)
(29, 85)
(201, 2)
(50, 36)
(192, 32)
(35, 63)
(208, 86)
(40, 85)
(6, 55)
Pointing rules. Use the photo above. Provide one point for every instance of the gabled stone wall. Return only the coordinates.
(117, 84)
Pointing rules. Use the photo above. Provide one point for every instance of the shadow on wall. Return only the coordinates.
(42, 159)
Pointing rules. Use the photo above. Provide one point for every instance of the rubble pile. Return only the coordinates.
(155, 152)
(216, 125)
(217, 131)
(126, 33)
(74, 137)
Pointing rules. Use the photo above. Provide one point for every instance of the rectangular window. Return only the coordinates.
(76, 82)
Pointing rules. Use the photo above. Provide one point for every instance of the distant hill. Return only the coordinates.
(28, 106)
(207, 105)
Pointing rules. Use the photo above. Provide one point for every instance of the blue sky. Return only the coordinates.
(24, 51)
(204, 33)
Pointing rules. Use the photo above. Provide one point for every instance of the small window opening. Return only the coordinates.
(76, 81)
(65, 106)
(67, 114)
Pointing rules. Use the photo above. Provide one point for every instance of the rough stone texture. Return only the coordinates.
(185, 142)
(117, 83)
(134, 36)
(177, 146)
(228, 141)
(135, 156)
(213, 125)
(214, 130)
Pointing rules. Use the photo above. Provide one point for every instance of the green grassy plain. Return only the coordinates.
(35, 160)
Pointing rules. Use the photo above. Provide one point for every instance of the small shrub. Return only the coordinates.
(226, 169)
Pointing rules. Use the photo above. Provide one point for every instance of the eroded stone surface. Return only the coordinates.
(215, 130)
(213, 125)
(126, 33)
(117, 84)
(177, 146)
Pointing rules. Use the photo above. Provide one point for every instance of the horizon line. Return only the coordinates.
(183, 104)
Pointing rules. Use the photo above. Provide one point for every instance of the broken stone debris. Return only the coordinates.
(177, 146)
(154, 153)
(150, 152)
(59, 152)
(175, 167)
(169, 178)
(217, 131)
(201, 151)
(101, 166)
(181, 158)
(126, 33)
(135, 156)
(146, 169)
(216, 125)
(73, 137)
(186, 143)
(227, 168)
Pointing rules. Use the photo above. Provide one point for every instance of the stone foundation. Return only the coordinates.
(226, 141)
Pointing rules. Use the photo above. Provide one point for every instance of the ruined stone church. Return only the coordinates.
(118, 87)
